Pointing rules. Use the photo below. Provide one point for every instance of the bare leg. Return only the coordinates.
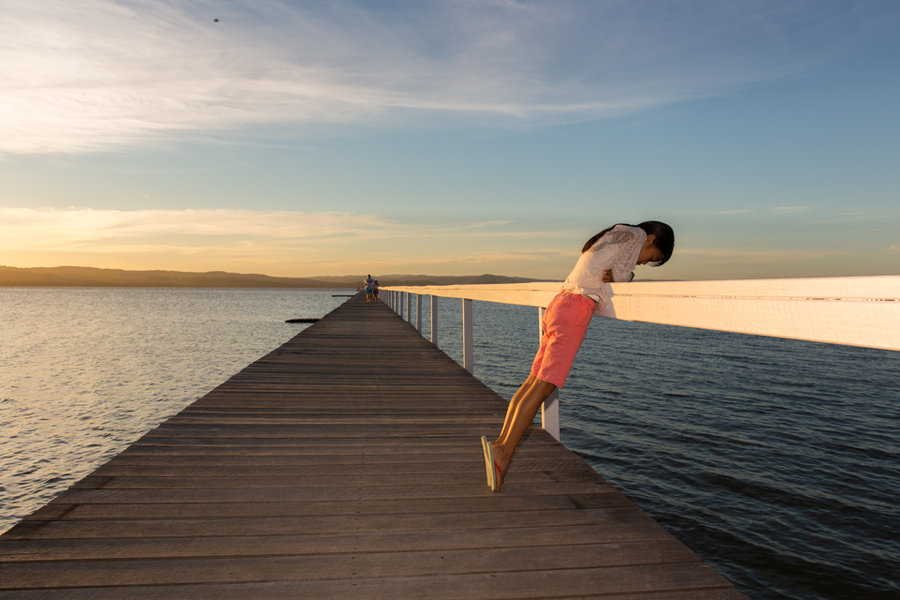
(514, 403)
(522, 409)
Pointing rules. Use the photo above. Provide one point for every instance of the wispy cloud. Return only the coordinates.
(274, 242)
(791, 210)
(757, 257)
(106, 230)
(482, 224)
(294, 243)
(736, 211)
(95, 74)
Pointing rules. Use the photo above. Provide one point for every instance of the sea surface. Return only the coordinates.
(777, 461)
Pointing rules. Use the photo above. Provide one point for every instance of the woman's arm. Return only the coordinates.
(628, 243)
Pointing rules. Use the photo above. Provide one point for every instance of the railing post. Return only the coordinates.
(409, 296)
(468, 363)
(550, 414)
(550, 407)
(434, 319)
(419, 313)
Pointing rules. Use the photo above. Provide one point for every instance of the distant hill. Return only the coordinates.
(93, 277)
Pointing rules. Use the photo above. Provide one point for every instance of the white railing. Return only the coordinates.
(854, 311)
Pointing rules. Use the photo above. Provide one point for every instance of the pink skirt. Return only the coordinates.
(565, 324)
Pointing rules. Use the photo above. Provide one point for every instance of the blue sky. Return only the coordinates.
(458, 137)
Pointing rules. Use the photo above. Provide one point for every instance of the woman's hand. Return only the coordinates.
(607, 276)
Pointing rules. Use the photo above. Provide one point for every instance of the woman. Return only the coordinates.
(608, 256)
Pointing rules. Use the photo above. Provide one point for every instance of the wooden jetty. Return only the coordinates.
(346, 463)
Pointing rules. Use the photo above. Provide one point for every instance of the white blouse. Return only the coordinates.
(618, 250)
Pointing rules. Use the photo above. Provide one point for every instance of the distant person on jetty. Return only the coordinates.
(369, 283)
(608, 256)
(375, 291)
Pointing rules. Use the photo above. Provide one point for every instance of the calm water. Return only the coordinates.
(86, 371)
(775, 460)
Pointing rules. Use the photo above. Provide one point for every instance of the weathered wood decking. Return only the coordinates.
(346, 463)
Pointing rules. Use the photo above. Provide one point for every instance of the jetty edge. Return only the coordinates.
(346, 461)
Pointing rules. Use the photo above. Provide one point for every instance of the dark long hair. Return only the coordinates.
(664, 241)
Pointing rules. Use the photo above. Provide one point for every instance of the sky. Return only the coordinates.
(461, 137)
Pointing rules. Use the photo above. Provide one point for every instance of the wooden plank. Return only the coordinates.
(56, 510)
(372, 541)
(309, 567)
(331, 468)
(681, 582)
(427, 523)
